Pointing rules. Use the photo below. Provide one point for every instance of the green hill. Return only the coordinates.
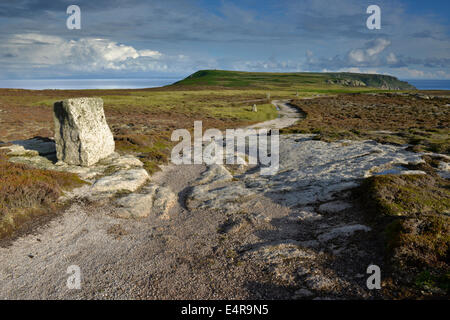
(239, 79)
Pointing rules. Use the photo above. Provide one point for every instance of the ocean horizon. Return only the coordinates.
(78, 84)
(430, 84)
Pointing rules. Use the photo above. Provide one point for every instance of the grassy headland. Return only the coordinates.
(297, 80)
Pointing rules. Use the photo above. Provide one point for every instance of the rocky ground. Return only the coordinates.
(208, 232)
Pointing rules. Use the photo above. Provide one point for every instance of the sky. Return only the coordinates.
(174, 38)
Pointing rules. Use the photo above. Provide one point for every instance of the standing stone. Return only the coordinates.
(82, 135)
(254, 109)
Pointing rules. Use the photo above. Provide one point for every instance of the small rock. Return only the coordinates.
(123, 180)
(164, 200)
(308, 215)
(135, 205)
(153, 199)
(128, 161)
(43, 146)
(19, 151)
(215, 174)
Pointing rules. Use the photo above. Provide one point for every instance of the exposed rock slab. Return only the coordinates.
(314, 171)
(113, 174)
(310, 171)
(152, 199)
(81, 133)
(216, 190)
(123, 180)
(214, 174)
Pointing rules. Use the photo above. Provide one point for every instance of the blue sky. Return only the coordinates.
(172, 38)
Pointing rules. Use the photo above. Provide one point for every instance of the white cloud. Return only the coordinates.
(151, 53)
(85, 54)
(377, 47)
(391, 58)
(357, 55)
(410, 73)
(353, 70)
(369, 52)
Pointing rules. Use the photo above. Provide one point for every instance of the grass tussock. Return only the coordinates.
(26, 192)
(412, 214)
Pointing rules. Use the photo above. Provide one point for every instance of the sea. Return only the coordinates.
(67, 84)
(430, 84)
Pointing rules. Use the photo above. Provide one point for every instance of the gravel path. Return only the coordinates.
(287, 116)
(230, 235)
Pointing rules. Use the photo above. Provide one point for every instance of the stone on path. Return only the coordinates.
(82, 135)
(152, 199)
(123, 180)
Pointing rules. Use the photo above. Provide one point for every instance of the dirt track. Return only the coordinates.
(277, 246)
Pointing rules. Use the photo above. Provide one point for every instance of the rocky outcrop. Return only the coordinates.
(119, 179)
(82, 135)
(113, 174)
(347, 82)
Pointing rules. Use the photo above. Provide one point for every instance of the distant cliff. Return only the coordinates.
(369, 80)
